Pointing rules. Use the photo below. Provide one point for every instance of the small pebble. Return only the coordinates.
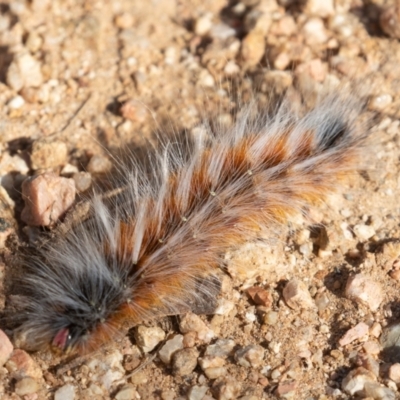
(394, 372)
(231, 68)
(48, 154)
(314, 31)
(369, 363)
(306, 249)
(139, 378)
(66, 392)
(47, 197)
(354, 333)
(363, 289)
(260, 296)
(271, 318)
(286, 26)
(275, 374)
(128, 392)
(286, 387)
(170, 347)
(26, 386)
(302, 236)
(378, 392)
(69, 170)
(282, 61)
(224, 307)
(371, 347)
(322, 301)
(250, 317)
(253, 47)
(375, 330)
(134, 110)
(99, 164)
(215, 372)
(21, 365)
(83, 181)
(147, 338)
(197, 392)
(192, 322)
(297, 296)
(395, 274)
(34, 42)
(211, 362)
(6, 348)
(206, 79)
(221, 348)
(222, 31)
(364, 232)
(389, 255)
(203, 24)
(355, 381)
(169, 395)
(24, 71)
(379, 103)
(250, 356)
(227, 389)
(184, 361)
(315, 69)
(124, 20)
(320, 8)
(16, 102)
(389, 21)
(95, 390)
(189, 339)
(390, 341)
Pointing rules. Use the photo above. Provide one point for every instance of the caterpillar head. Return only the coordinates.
(72, 304)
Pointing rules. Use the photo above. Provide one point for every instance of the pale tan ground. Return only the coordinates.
(95, 55)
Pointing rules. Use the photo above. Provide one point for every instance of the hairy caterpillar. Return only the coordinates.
(148, 250)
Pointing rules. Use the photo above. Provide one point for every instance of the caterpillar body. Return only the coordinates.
(145, 252)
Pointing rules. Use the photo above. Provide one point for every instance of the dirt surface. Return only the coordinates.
(104, 76)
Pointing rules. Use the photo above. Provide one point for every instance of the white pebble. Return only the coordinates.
(364, 232)
(314, 31)
(128, 392)
(206, 79)
(356, 380)
(170, 347)
(394, 372)
(148, 338)
(222, 31)
(363, 289)
(24, 71)
(321, 8)
(224, 307)
(379, 103)
(16, 102)
(250, 356)
(191, 322)
(66, 392)
(221, 348)
(354, 333)
(203, 24)
(197, 392)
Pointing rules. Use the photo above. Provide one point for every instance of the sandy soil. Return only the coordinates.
(101, 76)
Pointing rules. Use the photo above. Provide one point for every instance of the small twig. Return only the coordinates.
(77, 113)
(151, 358)
(76, 362)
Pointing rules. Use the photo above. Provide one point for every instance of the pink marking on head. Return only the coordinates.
(61, 338)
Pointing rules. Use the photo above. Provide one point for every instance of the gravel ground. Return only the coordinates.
(312, 316)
